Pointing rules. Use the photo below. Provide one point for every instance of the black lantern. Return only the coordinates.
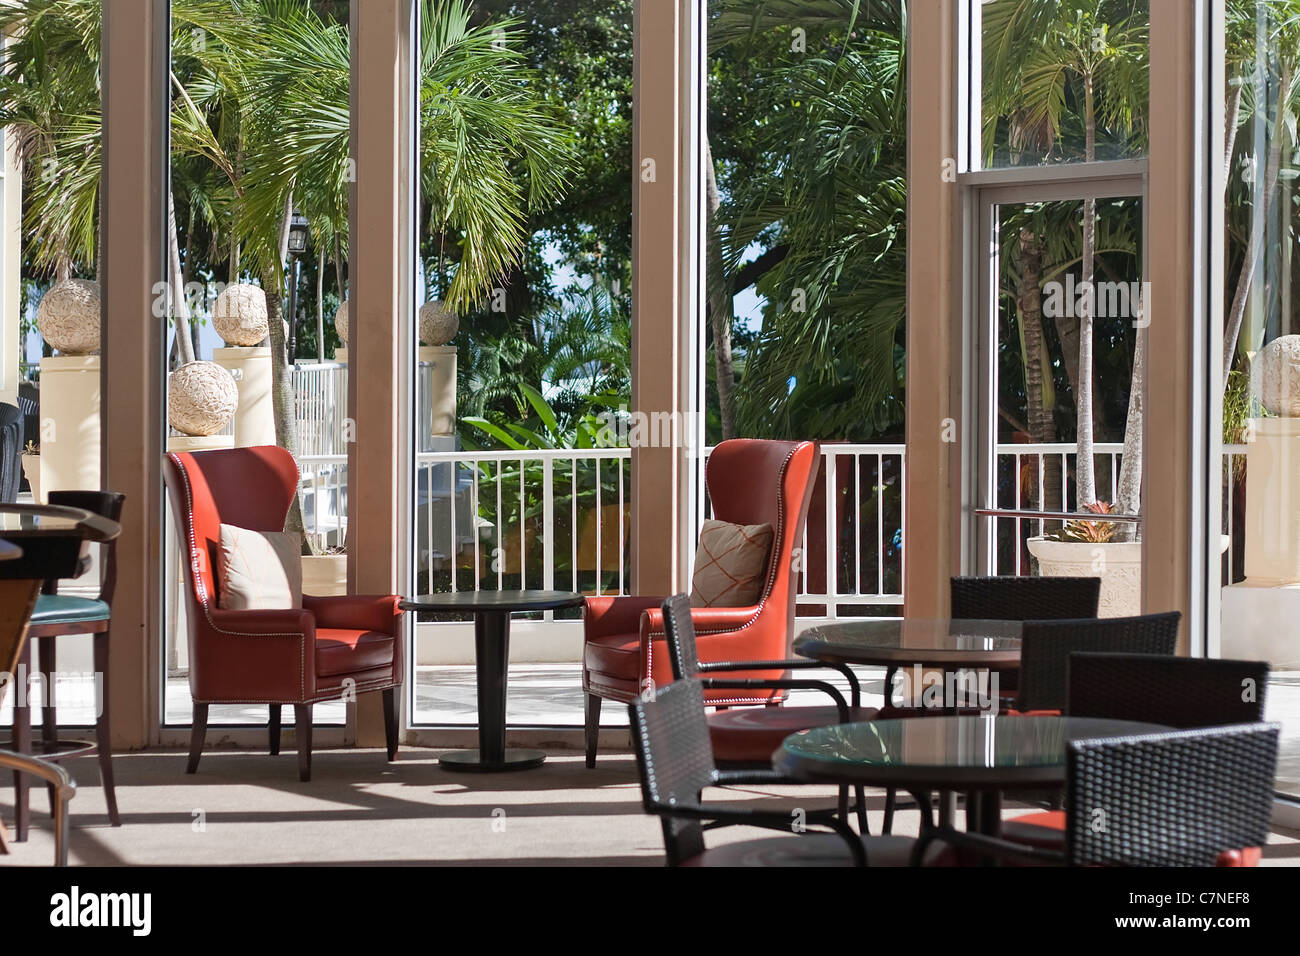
(298, 233)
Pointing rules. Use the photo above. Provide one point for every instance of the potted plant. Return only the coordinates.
(1085, 548)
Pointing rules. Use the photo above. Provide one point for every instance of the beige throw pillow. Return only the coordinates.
(730, 564)
(260, 570)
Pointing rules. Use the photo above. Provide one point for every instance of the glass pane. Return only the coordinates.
(260, 176)
(1062, 82)
(1260, 567)
(1069, 362)
(806, 191)
(50, 113)
(523, 477)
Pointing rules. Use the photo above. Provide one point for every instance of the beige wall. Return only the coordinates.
(1173, 516)
(381, 312)
(932, 520)
(133, 202)
(659, 486)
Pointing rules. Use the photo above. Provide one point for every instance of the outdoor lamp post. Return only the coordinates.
(298, 232)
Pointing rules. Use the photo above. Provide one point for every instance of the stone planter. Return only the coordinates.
(325, 575)
(32, 469)
(1117, 563)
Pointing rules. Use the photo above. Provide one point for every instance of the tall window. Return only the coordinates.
(805, 174)
(258, 233)
(1260, 569)
(1056, 119)
(50, 112)
(524, 275)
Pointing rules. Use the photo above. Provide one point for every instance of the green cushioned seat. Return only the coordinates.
(65, 609)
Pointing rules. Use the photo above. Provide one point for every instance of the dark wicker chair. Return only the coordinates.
(11, 451)
(1177, 692)
(1180, 692)
(1046, 647)
(1023, 598)
(753, 733)
(1186, 798)
(671, 738)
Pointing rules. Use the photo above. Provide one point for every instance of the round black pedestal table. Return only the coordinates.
(492, 610)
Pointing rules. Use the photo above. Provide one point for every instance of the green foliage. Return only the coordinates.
(826, 188)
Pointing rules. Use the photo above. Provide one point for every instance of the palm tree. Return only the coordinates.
(830, 198)
(1039, 59)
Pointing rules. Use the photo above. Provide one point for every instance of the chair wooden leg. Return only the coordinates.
(103, 739)
(22, 741)
(302, 721)
(198, 728)
(392, 715)
(591, 727)
(47, 654)
(891, 804)
(273, 729)
(860, 794)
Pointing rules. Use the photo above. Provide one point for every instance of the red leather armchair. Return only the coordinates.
(625, 649)
(329, 647)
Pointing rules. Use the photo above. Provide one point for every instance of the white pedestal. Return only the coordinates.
(341, 355)
(325, 575)
(437, 392)
(69, 435)
(254, 419)
(1259, 623)
(1273, 501)
(178, 645)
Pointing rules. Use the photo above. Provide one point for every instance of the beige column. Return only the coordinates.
(381, 313)
(935, 429)
(1173, 523)
(133, 204)
(659, 485)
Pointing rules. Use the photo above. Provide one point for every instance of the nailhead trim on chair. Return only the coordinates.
(204, 603)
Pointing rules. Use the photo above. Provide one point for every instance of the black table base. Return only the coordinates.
(492, 657)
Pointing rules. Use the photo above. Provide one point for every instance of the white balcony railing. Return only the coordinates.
(561, 518)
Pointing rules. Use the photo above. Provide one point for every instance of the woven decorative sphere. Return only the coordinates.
(239, 315)
(341, 321)
(201, 398)
(68, 317)
(438, 324)
(1278, 366)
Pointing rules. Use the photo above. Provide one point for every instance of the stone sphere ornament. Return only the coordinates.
(201, 398)
(68, 317)
(438, 324)
(239, 315)
(341, 321)
(1278, 366)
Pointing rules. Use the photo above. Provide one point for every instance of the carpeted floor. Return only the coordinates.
(245, 807)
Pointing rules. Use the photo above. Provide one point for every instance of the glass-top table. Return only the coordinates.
(964, 753)
(945, 643)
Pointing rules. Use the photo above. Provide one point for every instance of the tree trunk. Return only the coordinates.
(720, 306)
(1272, 167)
(1039, 419)
(1085, 480)
(1128, 494)
(282, 397)
(1232, 110)
(180, 310)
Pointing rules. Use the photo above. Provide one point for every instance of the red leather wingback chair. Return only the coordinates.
(331, 646)
(625, 650)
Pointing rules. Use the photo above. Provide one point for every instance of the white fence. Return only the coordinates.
(561, 518)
